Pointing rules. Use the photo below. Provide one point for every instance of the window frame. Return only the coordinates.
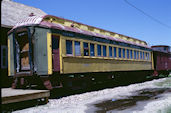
(85, 49)
(93, 49)
(68, 54)
(127, 53)
(99, 50)
(110, 51)
(120, 52)
(146, 55)
(115, 52)
(123, 53)
(79, 48)
(131, 54)
(135, 54)
(104, 53)
(149, 56)
(143, 55)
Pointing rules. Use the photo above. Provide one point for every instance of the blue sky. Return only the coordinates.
(115, 15)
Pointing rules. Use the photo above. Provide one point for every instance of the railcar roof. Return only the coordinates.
(163, 46)
(49, 21)
(160, 46)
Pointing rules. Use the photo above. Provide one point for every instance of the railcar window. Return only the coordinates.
(140, 55)
(110, 51)
(77, 49)
(127, 53)
(115, 53)
(68, 47)
(119, 51)
(146, 56)
(86, 49)
(149, 56)
(123, 52)
(143, 56)
(104, 51)
(131, 54)
(55, 43)
(99, 50)
(135, 54)
(92, 50)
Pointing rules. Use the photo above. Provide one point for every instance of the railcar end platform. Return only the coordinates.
(9, 95)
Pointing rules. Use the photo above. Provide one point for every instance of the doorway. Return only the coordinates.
(55, 53)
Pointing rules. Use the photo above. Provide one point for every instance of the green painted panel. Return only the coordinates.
(40, 51)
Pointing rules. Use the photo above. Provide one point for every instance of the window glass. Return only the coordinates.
(149, 56)
(131, 54)
(104, 51)
(119, 51)
(115, 53)
(127, 53)
(68, 47)
(135, 54)
(146, 56)
(99, 50)
(143, 56)
(110, 51)
(86, 49)
(140, 55)
(92, 50)
(123, 52)
(55, 43)
(77, 48)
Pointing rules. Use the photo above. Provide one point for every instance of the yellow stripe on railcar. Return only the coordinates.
(49, 53)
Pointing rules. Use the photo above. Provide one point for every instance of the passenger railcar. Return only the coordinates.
(57, 51)
(162, 59)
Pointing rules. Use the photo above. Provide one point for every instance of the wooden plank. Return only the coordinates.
(10, 95)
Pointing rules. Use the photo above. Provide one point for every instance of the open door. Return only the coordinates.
(23, 53)
(55, 53)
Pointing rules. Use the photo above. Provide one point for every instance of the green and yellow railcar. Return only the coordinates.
(53, 48)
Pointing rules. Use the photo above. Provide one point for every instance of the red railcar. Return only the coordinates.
(162, 59)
